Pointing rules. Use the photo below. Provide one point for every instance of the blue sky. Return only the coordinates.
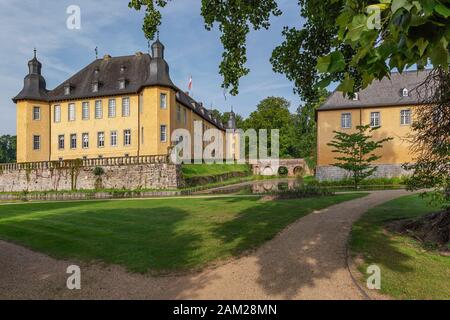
(116, 30)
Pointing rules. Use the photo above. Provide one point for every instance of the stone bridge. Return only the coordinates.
(292, 167)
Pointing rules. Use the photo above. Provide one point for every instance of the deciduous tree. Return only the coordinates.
(356, 152)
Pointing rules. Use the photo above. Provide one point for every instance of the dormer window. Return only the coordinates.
(122, 69)
(95, 87)
(355, 97)
(96, 71)
(122, 84)
(67, 89)
(405, 92)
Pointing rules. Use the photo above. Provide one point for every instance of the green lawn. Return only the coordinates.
(408, 271)
(153, 235)
(201, 170)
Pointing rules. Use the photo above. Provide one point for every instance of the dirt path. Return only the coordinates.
(306, 261)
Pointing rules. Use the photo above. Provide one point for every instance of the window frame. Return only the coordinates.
(57, 119)
(161, 100)
(38, 142)
(84, 143)
(127, 137)
(38, 113)
(72, 135)
(379, 119)
(349, 114)
(126, 107)
(98, 107)
(112, 106)
(61, 138)
(85, 107)
(161, 133)
(74, 112)
(100, 139)
(404, 117)
(113, 132)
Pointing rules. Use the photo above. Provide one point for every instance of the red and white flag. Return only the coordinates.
(190, 84)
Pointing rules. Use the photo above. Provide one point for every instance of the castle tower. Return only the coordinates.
(233, 137)
(33, 116)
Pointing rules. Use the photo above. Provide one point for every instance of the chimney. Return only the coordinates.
(106, 57)
(139, 54)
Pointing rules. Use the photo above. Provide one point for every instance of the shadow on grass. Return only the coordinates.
(137, 238)
(282, 272)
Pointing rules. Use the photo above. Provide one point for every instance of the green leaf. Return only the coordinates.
(347, 85)
(358, 25)
(398, 4)
(442, 10)
(323, 63)
(422, 45)
(428, 6)
(439, 56)
(337, 62)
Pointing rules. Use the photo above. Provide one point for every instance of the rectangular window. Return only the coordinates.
(36, 142)
(375, 119)
(184, 116)
(142, 135)
(346, 120)
(405, 117)
(85, 137)
(36, 113)
(57, 113)
(178, 113)
(113, 138)
(98, 109)
(100, 139)
(112, 108)
(85, 111)
(163, 101)
(73, 141)
(125, 107)
(163, 133)
(61, 142)
(127, 137)
(71, 111)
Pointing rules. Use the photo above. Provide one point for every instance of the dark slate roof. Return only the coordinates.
(387, 92)
(34, 86)
(138, 71)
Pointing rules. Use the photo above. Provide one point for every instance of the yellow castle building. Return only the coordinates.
(388, 104)
(114, 107)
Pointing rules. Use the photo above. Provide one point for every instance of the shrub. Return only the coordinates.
(98, 171)
(305, 191)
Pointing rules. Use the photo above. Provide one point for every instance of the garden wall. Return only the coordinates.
(129, 174)
(332, 173)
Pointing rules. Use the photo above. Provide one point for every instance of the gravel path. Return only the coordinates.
(305, 261)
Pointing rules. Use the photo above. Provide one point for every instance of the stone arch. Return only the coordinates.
(283, 171)
(299, 171)
(267, 171)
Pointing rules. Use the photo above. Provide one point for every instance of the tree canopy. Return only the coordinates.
(7, 148)
(350, 41)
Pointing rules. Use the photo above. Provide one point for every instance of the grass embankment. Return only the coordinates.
(205, 174)
(207, 170)
(408, 270)
(154, 235)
